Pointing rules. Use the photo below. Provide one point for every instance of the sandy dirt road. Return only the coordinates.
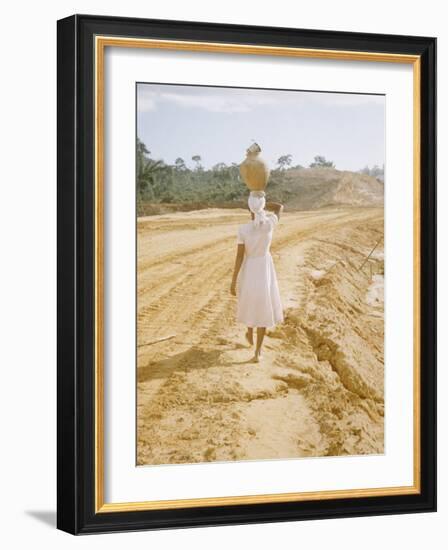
(319, 388)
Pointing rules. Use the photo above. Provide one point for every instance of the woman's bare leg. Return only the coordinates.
(261, 331)
(250, 335)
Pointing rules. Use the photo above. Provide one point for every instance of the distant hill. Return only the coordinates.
(296, 188)
(310, 188)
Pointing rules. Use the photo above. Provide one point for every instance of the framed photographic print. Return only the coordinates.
(246, 274)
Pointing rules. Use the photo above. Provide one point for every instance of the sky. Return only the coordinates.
(220, 123)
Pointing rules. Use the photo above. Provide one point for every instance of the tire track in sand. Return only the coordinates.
(197, 397)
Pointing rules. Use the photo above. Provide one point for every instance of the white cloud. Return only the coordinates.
(218, 103)
(340, 99)
(238, 100)
(146, 103)
(215, 100)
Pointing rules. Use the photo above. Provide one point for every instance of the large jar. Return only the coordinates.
(254, 169)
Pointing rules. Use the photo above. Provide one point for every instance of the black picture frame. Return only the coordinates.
(76, 286)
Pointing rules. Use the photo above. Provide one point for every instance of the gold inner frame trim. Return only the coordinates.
(101, 42)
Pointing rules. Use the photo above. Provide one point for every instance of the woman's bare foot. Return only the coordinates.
(250, 337)
(257, 357)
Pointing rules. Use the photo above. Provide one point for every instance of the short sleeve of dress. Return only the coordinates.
(240, 237)
(273, 218)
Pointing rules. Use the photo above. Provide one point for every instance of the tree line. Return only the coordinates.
(160, 182)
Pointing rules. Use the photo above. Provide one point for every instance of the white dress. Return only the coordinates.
(259, 303)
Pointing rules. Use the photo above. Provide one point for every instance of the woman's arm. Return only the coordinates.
(275, 207)
(238, 261)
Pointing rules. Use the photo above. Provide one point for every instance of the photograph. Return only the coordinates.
(259, 273)
(246, 273)
(221, 253)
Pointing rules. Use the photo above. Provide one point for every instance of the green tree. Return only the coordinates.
(147, 169)
(321, 162)
(284, 161)
(197, 159)
(220, 167)
(179, 163)
(375, 172)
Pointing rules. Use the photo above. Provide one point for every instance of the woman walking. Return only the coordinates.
(259, 304)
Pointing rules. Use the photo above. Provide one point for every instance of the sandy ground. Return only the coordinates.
(319, 388)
